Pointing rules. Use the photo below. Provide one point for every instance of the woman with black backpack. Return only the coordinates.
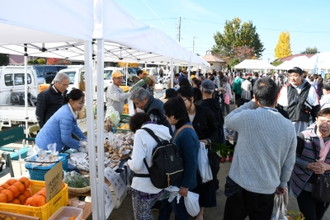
(144, 193)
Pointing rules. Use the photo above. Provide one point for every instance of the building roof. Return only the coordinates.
(296, 55)
(213, 59)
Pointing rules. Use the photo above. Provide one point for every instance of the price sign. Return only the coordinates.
(53, 180)
(109, 203)
(116, 181)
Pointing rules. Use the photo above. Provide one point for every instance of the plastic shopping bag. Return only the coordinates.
(192, 204)
(279, 208)
(203, 164)
(190, 201)
(174, 193)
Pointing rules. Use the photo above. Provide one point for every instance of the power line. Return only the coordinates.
(258, 28)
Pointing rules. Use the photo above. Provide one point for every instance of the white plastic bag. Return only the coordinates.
(174, 192)
(113, 115)
(203, 164)
(192, 204)
(279, 208)
(190, 201)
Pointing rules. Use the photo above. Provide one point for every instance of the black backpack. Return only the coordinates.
(167, 163)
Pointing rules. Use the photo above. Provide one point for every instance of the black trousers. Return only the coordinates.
(311, 208)
(244, 203)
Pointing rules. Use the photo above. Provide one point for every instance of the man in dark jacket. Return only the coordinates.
(298, 101)
(211, 103)
(50, 100)
(150, 105)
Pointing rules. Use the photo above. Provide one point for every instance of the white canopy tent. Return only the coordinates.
(113, 52)
(301, 61)
(125, 38)
(254, 65)
(320, 61)
(28, 27)
(48, 22)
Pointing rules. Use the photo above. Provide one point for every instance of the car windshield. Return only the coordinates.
(107, 74)
(71, 75)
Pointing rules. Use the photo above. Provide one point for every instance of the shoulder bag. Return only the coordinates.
(321, 187)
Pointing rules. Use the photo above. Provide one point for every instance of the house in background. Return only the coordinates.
(16, 60)
(215, 62)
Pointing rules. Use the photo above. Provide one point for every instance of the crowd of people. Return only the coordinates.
(279, 134)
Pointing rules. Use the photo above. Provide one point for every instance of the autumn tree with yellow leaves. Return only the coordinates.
(283, 47)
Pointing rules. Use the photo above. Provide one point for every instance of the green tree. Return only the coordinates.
(283, 47)
(310, 50)
(238, 41)
(4, 59)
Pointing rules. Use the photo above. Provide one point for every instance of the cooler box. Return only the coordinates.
(38, 172)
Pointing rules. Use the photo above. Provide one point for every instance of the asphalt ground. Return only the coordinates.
(125, 211)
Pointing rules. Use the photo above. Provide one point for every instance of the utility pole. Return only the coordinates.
(179, 30)
(194, 44)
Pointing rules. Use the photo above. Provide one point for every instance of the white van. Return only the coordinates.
(12, 83)
(108, 74)
(77, 77)
(12, 95)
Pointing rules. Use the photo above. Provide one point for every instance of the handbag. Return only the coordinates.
(321, 187)
(203, 164)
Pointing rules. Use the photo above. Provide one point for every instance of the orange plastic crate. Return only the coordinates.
(42, 212)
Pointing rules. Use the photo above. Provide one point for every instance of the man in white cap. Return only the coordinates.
(115, 96)
(298, 101)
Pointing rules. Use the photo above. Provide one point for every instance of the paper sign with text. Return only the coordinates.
(53, 181)
(116, 181)
(109, 201)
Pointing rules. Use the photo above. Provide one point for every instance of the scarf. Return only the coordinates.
(324, 149)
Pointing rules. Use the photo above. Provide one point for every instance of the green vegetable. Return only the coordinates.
(75, 180)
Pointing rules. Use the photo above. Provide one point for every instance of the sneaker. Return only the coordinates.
(230, 158)
(223, 159)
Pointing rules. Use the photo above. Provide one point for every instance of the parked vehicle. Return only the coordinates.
(46, 73)
(12, 94)
(77, 77)
(108, 75)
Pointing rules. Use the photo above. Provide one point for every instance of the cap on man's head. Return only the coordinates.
(208, 84)
(117, 74)
(296, 70)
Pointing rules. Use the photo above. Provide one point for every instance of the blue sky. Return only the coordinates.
(307, 21)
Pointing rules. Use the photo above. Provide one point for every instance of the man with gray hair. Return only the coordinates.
(51, 99)
(150, 105)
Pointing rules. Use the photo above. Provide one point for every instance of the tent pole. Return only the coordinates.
(126, 72)
(189, 64)
(90, 126)
(26, 91)
(172, 74)
(100, 126)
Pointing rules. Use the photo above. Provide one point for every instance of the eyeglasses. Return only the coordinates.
(323, 121)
